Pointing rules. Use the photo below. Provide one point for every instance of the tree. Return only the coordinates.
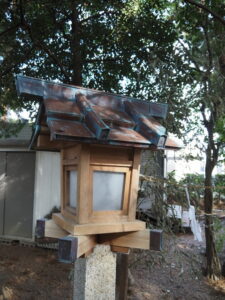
(118, 46)
(156, 50)
(201, 41)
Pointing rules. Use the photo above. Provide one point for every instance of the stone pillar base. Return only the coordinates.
(95, 276)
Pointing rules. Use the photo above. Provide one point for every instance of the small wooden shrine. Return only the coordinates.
(100, 137)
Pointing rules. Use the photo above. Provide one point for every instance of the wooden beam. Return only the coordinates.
(134, 185)
(72, 247)
(121, 276)
(120, 249)
(96, 228)
(48, 228)
(44, 142)
(143, 239)
(83, 186)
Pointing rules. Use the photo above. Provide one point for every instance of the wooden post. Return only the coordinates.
(122, 276)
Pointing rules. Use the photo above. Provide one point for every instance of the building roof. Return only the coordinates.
(21, 138)
(76, 114)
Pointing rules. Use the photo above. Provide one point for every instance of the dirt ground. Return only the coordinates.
(176, 273)
(28, 273)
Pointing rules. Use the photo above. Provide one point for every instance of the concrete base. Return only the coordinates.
(95, 276)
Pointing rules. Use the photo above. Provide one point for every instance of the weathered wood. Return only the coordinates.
(72, 247)
(137, 239)
(98, 228)
(107, 154)
(118, 249)
(134, 185)
(83, 186)
(48, 228)
(121, 276)
(143, 239)
(44, 142)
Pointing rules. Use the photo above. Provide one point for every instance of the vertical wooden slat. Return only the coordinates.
(83, 203)
(134, 185)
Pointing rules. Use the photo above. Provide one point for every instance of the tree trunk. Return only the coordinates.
(213, 263)
(76, 62)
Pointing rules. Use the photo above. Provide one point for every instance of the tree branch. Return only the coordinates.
(9, 69)
(190, 57)
(9, 29)
(98, 15)
(205, 8)
(101, 60)
(39, 44)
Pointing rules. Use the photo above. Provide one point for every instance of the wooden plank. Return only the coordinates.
(98, 228)
(69, 158)
(138, 239)
(144, 239)
(116, 163)
(48, 228)
(83, 186)
(70, 162)
(65, 223)
(118, 249)
(44, 142)
(108, 154)
(72, 247)
(134, 185)
(71, 153)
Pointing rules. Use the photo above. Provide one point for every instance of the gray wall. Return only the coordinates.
(17, 193)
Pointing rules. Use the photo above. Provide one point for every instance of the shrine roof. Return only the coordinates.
(75, 114)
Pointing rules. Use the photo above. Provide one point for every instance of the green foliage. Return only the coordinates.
(118, 46)
(219, 182)
(8, 129)
(196, 193)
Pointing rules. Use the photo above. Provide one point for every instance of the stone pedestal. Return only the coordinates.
(95, 276)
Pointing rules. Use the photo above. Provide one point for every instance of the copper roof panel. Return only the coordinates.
(171, 144)
(115, 117)
(80, 114)
(63, 109)
(69, 128)
(127, 135)
(102, 99)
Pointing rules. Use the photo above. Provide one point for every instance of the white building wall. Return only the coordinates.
(47, 183)
(175, 162)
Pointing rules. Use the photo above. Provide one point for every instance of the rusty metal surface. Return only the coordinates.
(76, 113)
(92, 119)
(63, 109)
(124, 134)
(69, 128)
(114, 117)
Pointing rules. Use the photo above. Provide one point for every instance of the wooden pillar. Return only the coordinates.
(122, 276)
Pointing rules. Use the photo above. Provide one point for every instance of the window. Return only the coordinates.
(72, 182)
(70, 188)
(108, 190)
